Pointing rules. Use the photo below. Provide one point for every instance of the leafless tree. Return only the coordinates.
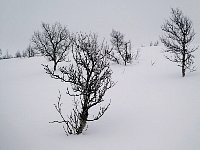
(90, 78)
(18, 54)
(121, 50)
(156, 43)
(24, 54)
(178, 35)
(151, 43)
(7, 56)
(30, 52)
(53, 42)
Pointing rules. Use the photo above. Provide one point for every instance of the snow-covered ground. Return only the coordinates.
(152, 108)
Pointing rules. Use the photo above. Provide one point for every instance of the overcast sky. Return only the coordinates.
(139, 20)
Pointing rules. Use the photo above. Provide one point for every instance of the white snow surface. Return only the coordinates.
(152, 107)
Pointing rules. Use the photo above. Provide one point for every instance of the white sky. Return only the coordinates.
(139, 20)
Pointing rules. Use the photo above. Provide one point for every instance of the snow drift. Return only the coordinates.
(152, 107)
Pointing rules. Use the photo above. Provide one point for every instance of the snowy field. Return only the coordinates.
(152, 108)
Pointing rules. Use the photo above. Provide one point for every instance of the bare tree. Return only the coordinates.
(90, 78)
(178, 35)
(121, 50)
(156, 43)
(24, 54)
(30, 52)
(7, 56)
(53, 42)
(18, 54)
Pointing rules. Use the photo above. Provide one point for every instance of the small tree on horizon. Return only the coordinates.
(7, 56)
(30, 52)
(53, 42)
(121, 49)
(18, 54)
(178, 35)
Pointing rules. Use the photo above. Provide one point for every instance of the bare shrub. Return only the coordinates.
(18, 54)
(121, 49)
(90, 78)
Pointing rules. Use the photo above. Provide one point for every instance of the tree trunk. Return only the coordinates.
(55, 65)
(183, 71)
(83, 121)
(183, 62)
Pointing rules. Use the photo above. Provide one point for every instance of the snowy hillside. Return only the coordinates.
(152, 108)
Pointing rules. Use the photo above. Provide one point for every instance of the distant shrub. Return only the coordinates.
(7, 56)
(151, 43)
(30, 52)
(121, 50)
(18, 54)
(24, 54)
(156, 43)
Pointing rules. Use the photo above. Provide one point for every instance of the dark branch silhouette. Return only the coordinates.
(53, 42)
(90, 78)
(121, 50)
(178, 36)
